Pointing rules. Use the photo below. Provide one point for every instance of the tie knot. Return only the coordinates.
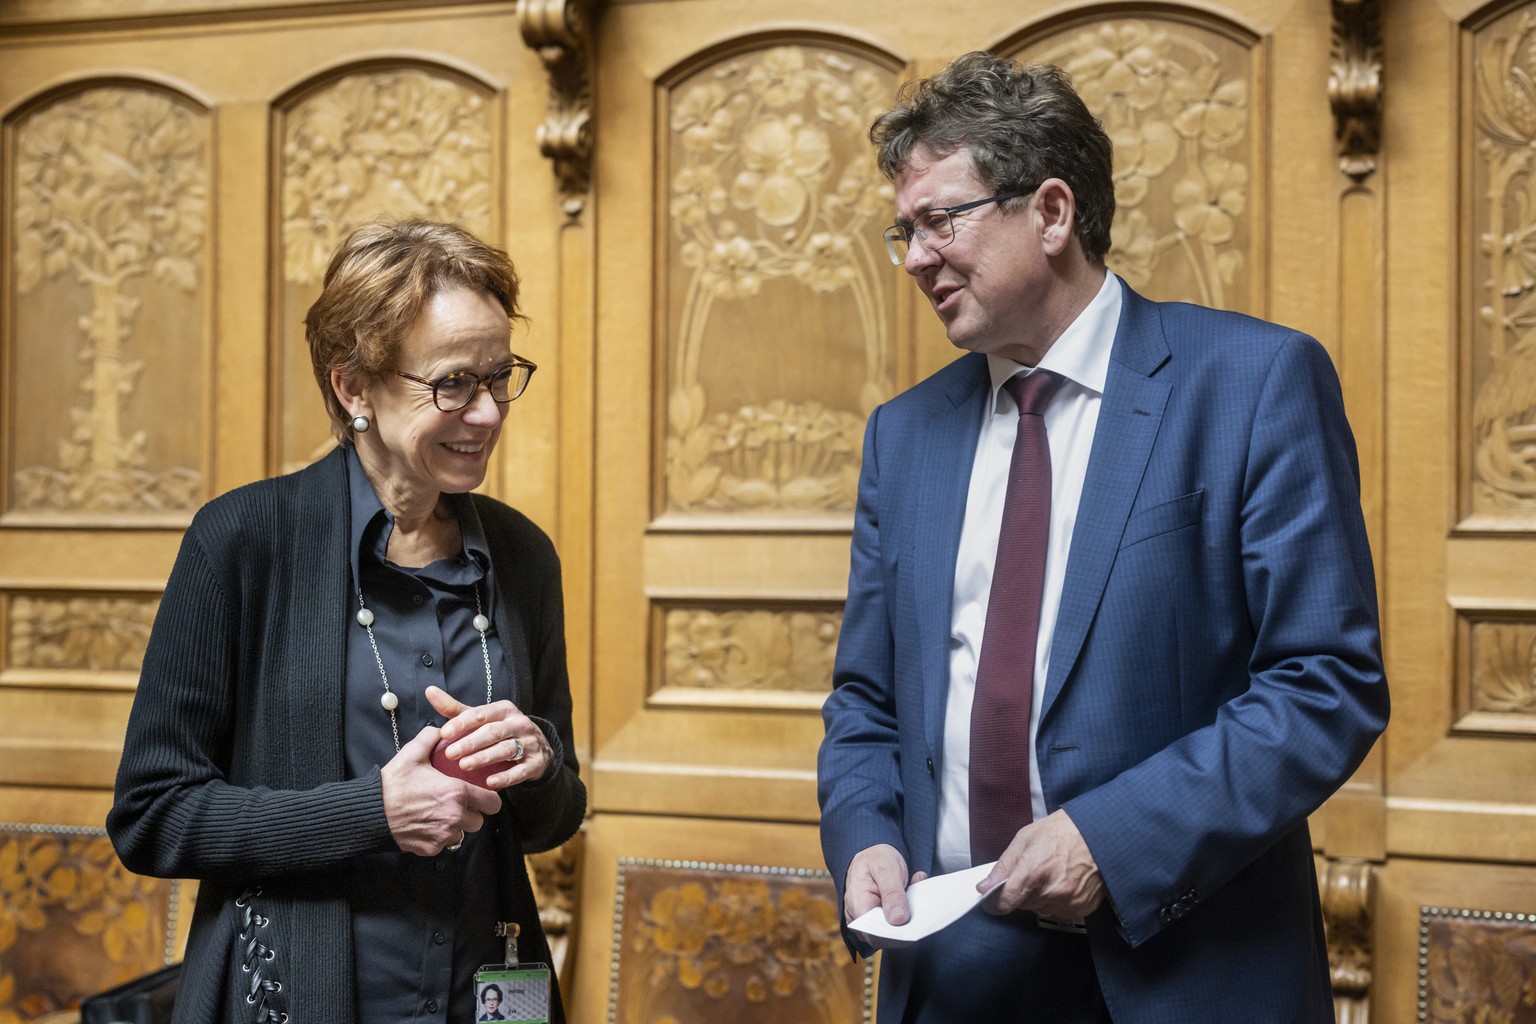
(1032, 390)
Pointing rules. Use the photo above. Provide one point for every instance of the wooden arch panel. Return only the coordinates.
(108, 306)
(386, 139)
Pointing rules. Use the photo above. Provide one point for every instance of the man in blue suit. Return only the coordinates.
(1206, 664)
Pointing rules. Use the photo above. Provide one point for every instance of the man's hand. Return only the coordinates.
(878, 878)
(1049, 870)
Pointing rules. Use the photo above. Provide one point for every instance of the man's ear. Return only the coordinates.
(1057, 208)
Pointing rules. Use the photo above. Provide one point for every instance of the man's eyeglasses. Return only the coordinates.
(456, 390)
(936, 228)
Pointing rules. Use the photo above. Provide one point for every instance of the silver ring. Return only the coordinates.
(517, 749)
(458, 844)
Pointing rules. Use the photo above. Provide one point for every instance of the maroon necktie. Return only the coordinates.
(1005, 676)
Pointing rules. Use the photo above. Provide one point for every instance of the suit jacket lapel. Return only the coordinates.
(1129, 417)
(944, 474)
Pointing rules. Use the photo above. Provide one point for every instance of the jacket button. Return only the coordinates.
(1165, 915)
(930, 767)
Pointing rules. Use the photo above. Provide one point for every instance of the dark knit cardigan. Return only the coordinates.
(232, 770)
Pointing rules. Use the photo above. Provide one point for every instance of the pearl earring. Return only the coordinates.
(361, 423)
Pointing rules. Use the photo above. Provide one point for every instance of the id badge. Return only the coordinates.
(516, 994)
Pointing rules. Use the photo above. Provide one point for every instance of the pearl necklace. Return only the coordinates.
(389, 700)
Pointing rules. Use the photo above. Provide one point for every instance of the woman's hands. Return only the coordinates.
(429, 812)
(492, 735)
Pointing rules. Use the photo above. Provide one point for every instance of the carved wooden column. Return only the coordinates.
(560, 32)
(1354, 832)
(1354, 85)
(1355, 93)
(1348, 892)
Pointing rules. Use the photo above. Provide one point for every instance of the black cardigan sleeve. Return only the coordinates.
(217, 779)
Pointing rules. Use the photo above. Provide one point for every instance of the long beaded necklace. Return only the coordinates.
(389, 700)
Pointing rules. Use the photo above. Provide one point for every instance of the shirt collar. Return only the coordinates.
(368, 510)
(1081, 354)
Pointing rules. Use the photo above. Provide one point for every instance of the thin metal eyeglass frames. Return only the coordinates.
(936, 228)
(456, 390)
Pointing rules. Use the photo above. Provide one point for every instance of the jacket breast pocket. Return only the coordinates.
(1165, 517)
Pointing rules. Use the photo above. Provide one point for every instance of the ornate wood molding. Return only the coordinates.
(1354, 85)
(560, 32)
(1348, 892)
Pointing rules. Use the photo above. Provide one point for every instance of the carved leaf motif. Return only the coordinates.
(1504, 668)
(750, 650)
(1175, 104)
(773, 184)
(399, 143)
(98, 634)
(1504, 336)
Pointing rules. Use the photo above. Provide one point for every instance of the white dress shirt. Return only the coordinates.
(1081, 357)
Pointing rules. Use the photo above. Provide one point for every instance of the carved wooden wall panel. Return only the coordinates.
(1500, 360)
(108, 325)
(392, 141)
(696, 943)
(1459, 595)
(774, 317)
(1497, 691)
(1182, 104)
(777, 293)
(70, 633)
(725, 654)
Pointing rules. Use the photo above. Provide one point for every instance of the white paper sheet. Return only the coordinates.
(937, 903)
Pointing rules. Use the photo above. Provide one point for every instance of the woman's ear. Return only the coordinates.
(348, 393)
(1057, 208)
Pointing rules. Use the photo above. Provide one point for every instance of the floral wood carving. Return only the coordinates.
(102, 634)
(779, 343)
(73, 920)
(1354, 85)
(111, 189)
(559, 31)
(1348, 890)
(1476, 965)
(1503, 356)
(755, 649)
(700, 943)
(395, 143)
(1174, 100)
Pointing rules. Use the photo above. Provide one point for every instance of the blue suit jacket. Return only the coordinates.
(1215, 671)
